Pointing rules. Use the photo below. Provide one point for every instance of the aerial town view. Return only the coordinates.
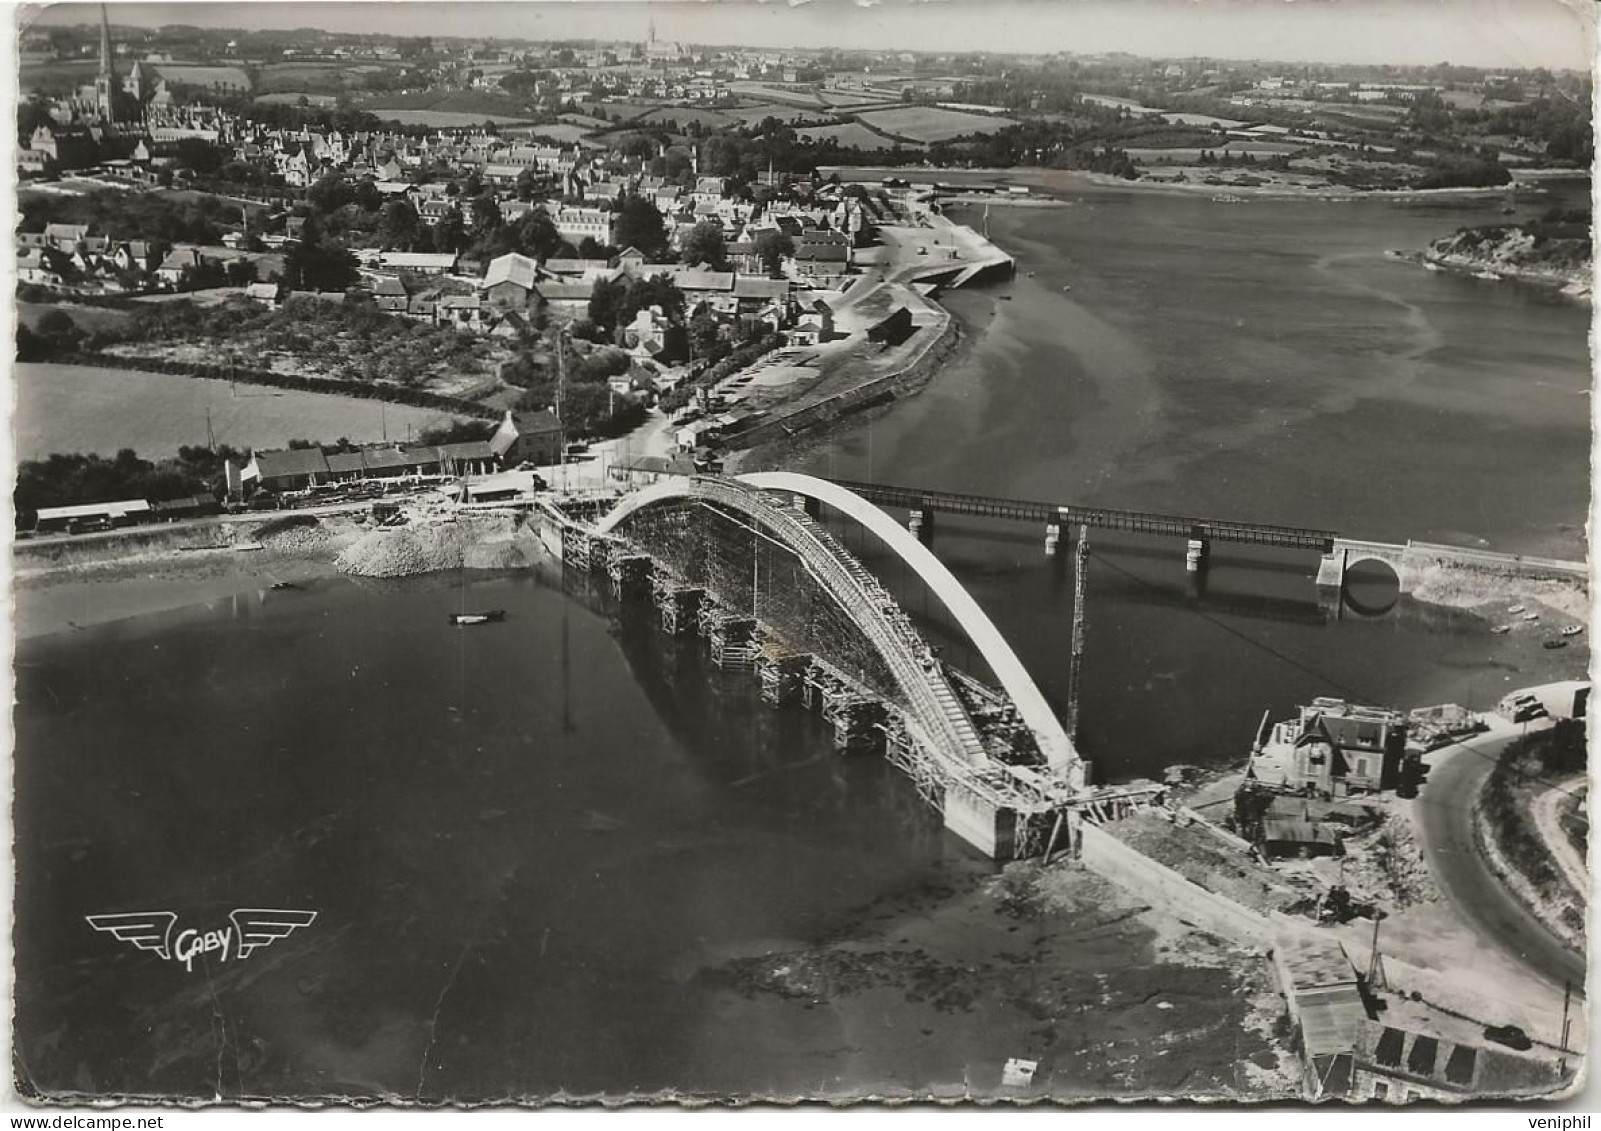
(574, 553)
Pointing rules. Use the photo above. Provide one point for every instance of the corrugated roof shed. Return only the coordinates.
(342, 463)
(749, 286)
(290, 463)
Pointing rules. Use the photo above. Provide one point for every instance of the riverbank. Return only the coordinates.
(73, 585)
(1066, 180)
(1573, 285)
(1105, 995)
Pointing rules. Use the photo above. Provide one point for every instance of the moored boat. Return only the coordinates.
(1515, 609)
(1531, 616)
(1553, 644)
(486, 617)
(1573, 630)
(1501, 629)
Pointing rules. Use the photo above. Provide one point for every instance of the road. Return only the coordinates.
(1445, 818)
(1547, 812)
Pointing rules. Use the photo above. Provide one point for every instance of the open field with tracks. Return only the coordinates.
(77, 408)
(852, 135)
(933, 123)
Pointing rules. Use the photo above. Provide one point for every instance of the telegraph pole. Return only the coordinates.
(1075, 669)
(561, 390)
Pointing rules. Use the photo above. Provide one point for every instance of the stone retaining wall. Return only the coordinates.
(1164, 888)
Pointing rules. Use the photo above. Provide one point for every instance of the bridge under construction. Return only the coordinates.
(746, 565)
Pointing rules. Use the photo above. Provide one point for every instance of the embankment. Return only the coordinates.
(940, 342)
(459, 542)
(1157, 884)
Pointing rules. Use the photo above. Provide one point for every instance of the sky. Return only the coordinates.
(1484, 33)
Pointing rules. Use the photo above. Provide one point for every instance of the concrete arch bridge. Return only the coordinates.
(746, 563)
(1415, 563)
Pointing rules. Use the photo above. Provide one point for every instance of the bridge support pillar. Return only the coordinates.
(980, 823)
(809, 505)
(1331, 570)
(1053, 536)
(1195, 554)
(921, 525)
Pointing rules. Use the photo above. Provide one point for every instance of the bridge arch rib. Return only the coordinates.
(948, 729)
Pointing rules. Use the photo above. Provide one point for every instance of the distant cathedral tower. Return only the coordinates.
(106, 80)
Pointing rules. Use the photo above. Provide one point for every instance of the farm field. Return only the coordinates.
(87, 318)
(617, 111)
(559, 132)
(200, 75)
(446, 119)
(754, 115)
(1203, 120)
(930, 123)
(851, 135)
(313, 78)
(77, 408)
(293, 97)
(806, 98)
(682, 116)
(59, 76)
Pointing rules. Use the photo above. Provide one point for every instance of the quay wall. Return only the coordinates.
(880, 390)
(117, 545)
(1164, 888)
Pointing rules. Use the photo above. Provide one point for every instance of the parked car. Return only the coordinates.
(1509, 1035)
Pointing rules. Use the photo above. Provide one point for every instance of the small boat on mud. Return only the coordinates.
(489, 616)
(280, 586)
(1531, 616)
(1487, 276)
(1554, 644)
(1501, 629)
(1573, 630)
(1514, 610)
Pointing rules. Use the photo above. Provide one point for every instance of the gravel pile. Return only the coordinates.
(426, 547)
(518, 551)
(294, 534)
(1388, 862)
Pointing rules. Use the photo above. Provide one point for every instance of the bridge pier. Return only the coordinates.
(981, 823)
(1053, 536)
(630, 570)
(680, 608)
(1331, 569)
(1195, 554)
(782, 677)
(920, 524)
(808, 505)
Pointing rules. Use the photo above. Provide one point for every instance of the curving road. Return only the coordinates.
(1548, 823)
(1445, 817)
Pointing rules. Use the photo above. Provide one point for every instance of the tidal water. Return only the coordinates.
(1262, 361)
(526, 842)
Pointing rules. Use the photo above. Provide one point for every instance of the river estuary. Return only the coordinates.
(536, 849)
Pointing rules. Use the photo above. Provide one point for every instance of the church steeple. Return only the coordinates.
(106, 80)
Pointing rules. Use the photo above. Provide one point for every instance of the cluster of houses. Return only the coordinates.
(70, 258)
(533, 438)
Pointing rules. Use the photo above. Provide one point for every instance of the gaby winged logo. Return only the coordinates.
(253, 928)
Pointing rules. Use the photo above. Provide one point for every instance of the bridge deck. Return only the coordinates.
(1105, 518)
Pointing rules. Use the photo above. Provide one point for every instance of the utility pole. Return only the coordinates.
(1567, 999)
(561, 389)
(1075, 669)
(1375, 967)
